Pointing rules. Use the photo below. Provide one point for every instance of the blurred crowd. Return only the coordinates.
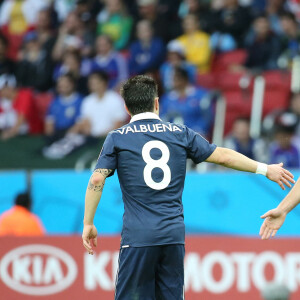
(62, 63)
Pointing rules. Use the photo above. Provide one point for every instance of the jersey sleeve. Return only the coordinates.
(198, 148)
(108, 156)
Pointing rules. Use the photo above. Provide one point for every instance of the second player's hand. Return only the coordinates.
(273, 221)
(89, 238)
(280, 175)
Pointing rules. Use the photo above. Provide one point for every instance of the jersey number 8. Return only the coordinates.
(159, 163)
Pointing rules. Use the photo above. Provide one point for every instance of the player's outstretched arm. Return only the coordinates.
(274, 218)
(92, 198)
(234, 160)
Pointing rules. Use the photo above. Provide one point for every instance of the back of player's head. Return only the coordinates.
(24, 200)
(139, 93)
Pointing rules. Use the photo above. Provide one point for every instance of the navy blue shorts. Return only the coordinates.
(151, 273)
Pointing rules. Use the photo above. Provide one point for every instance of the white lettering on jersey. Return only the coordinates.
(149, 128)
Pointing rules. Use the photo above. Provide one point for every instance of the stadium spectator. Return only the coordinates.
(64, 110)
(283, 148)
(240, 140)
(229, 17)
(63, 8)
(115, 22)
(7, 66)
(20, 15)
(220, 41)
(263, 47)
(187, 104)
(290, 38)
(175, 58)
(34, 67)
(101, 112)
(274, 9)
(19, 221)
(45, 31)
(147, 52)
(161, 18)
(259, 5)
(16, 18)
(196, 7)
(199, 8)
(87, 10)
(196, 44)
(108, 61)
(294, 7)
(71, 63)
(17, 110)
(73, 35)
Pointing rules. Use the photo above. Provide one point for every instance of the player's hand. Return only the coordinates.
(273, 221)
(280, 175)
(89, 238)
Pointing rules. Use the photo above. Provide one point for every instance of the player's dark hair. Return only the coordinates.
(23, 200)
(139, 93)
(101, 75)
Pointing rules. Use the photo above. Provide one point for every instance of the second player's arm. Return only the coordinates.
(92, 199)
(274, 218)
(234, 160)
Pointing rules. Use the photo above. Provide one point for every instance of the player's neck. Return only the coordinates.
(147, 112)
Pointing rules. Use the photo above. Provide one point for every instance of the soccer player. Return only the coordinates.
(274, 218)
(150, 157)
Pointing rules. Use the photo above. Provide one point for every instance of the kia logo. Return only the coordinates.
(38, 270)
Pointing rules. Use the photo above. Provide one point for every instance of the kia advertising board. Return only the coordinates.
(215, 268)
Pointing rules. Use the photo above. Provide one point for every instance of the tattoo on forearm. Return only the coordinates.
(99, 188)
(104, 172)
(95, 188)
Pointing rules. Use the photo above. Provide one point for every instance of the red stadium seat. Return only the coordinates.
(234, 81)
(223, 61)
(275, 99)
(277, 80)
(207, 80)
(238, 104)
(42, 102)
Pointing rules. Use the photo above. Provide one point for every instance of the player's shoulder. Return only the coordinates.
(176, 126)
(117, 131)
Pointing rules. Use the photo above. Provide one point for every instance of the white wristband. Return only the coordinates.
(262, 169)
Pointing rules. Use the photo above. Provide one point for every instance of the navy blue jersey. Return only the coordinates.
(150, 158)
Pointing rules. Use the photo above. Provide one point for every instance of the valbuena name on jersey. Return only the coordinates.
(149, 128)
